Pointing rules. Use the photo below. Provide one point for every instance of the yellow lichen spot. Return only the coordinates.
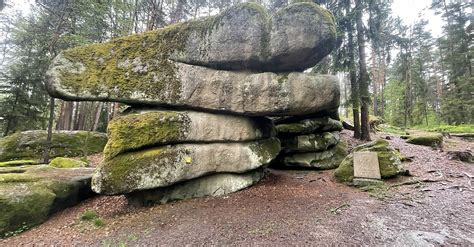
(188, 160)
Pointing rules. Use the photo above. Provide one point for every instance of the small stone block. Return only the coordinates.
(362, 182)
(366, 165)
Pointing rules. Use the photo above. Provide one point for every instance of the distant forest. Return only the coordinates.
(399, 73)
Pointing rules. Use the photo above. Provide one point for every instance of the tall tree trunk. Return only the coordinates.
(59, 121)
(382, 87)
(346, 93)
(11, 119)
(50, 131)
(375, 81)
(353, 76)
(363, 76)
(97, 116)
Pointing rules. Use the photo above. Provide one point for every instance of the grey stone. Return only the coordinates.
(255, 94)
(310, 143)
(147, 127)
(291, 128)
(211, 185)
(244, 37)
(329, 159)
(30, 195)
(302, 34)
(362, 182)
(167, 165)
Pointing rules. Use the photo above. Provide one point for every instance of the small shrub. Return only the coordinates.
(99, 222)
(89, 215)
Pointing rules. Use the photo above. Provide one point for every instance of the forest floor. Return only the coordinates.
(434, 206)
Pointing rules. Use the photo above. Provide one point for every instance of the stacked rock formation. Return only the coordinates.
(150, 149)
(199, 93)
(311, 142)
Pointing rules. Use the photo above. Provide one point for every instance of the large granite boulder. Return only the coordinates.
(29, 145)
(389, 161)
(196, 87)
(166, 165)
(430, 139)
(28, 195)
(210, 185)
(141, 128)
(244, 37)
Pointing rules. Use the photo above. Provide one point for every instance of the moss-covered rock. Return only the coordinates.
(244, 37)
(329, 159)
(210, 185)
(307, 126)
(389, 161)
(167, 165)
(28, 198)
(61, 162)
(374, 123)
(174, 66)
(144, 128)
(426, 139)
(18, 163)
(31, 144)
(310, 143)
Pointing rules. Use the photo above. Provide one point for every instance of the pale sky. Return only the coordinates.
(411, 10)
(408, 10)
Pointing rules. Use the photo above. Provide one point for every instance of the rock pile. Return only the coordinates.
(156, 148)
(310, 142)
(199, 93)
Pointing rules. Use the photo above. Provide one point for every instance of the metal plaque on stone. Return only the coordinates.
(366, 165)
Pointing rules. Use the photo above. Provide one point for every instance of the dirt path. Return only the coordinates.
(290, 208)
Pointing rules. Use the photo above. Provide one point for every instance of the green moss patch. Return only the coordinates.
(29, 145)
(18, 163)
(137, 64)
(133, 131)
(23, 205)
(426, 139)
(28, 198)
(61, 162)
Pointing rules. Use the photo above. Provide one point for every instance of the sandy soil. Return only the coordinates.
(433, 207)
